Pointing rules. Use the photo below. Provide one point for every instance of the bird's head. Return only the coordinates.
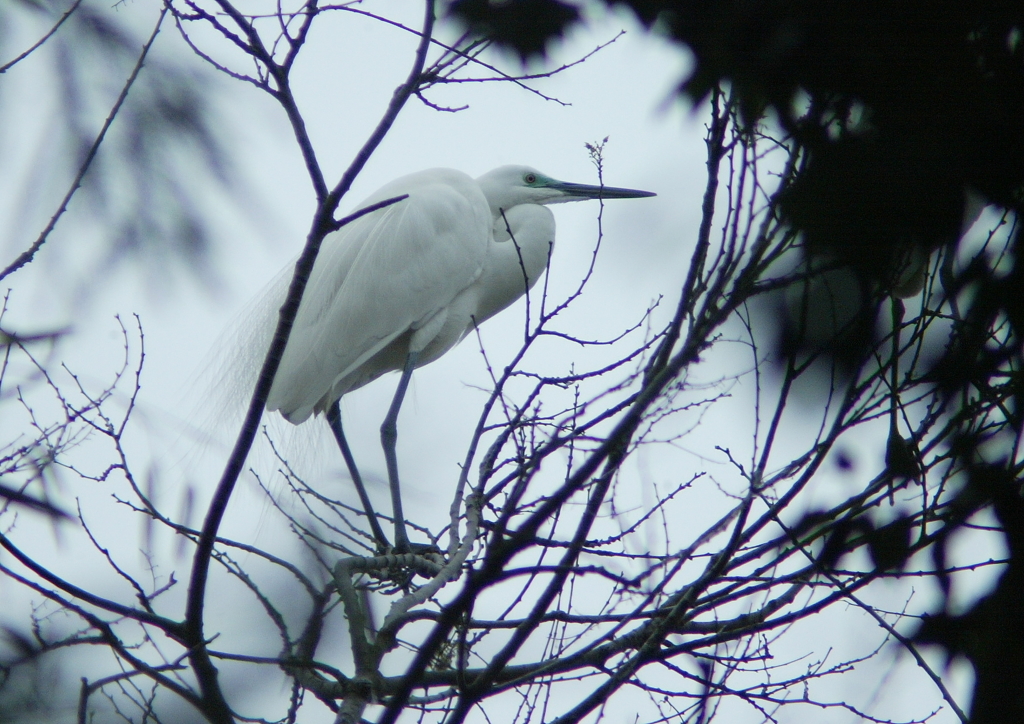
(510, 186)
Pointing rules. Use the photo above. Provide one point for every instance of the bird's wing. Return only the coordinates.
(388, 272)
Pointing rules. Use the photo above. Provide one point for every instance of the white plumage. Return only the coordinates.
(415, 276)
(400, 286)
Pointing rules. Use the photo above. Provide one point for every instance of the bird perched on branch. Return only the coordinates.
(402, 285)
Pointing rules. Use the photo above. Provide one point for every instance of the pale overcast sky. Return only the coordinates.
(343, 81)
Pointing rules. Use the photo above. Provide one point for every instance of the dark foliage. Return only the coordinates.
(902, 105)
(989, 634)
(526, 26)
(903, 109)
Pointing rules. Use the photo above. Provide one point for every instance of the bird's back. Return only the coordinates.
(376, 279)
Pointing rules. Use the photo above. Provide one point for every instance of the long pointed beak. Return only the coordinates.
(575, 192)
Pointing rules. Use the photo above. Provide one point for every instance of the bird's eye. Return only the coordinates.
(530, 178)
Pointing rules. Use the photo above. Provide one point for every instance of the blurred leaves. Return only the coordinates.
(162, 157)
(19, 498)
(888, 545)
(990, 632)
(525, 26)
(901, 106)
(901, 458)
(29, 684)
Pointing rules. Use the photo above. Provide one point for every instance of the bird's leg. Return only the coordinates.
(334, 420)
(388, 439)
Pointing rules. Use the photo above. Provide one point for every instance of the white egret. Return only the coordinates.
(400, 286)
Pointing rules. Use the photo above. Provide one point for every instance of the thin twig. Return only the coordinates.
(26, 256)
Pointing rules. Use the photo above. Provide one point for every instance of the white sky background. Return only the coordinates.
(342, 83)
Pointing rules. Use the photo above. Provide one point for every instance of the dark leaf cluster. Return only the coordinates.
(902, 105)
(910, 116)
